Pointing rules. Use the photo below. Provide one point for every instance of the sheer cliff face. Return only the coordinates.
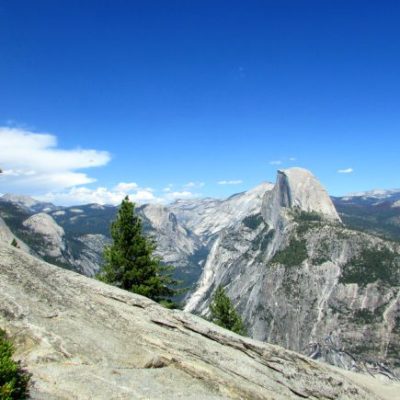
(296, 188)
(302, 280)
(174, 242)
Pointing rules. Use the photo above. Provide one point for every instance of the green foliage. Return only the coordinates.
(253, 221)
(293, 254)
(382, 220)
(263, 238)
(307, 220)
(397, 324)
(261, 242)
(14, 243)
(307, 216)
(13, 379)
(372, 265)
(224, 314)
(364, 316)
(130, 263)
(322, 254)
(92, 221)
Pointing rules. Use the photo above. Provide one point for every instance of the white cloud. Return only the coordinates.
(168, 188)
(32, 162)
(194, 185)
(232, 182)
(345, 171)
(126, 187)
(284, 160)
(275, 162)
(179, 195)
(103, 195)
(100, 195)
(144, 195)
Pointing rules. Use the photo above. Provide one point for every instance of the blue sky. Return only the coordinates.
(176, 96)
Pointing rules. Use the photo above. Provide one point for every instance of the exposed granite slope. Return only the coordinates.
(52, 234)
(6, 236)
(82, 339)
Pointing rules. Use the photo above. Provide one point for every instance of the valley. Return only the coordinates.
(316, 275)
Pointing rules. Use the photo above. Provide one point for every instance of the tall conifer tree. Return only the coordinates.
(224, 314)
(130, 262)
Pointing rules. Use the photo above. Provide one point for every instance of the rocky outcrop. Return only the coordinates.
(208, 217)
(89, 259)
(300, 279)
(43, 225)
(6, 236)
(27, 203)
(296, 188)
(82, 339)
(175, 244)
(298, 276)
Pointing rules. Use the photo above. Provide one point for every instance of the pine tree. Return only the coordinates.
(14, 380)
(14, 243)
(224, 314)
(130, 263)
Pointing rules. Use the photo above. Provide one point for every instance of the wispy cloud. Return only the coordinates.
(126, 187)
(292, 158)
(185, 194)
(275, 162)
(231, 182)
(345, 171)
(168, 188)
(194, 185)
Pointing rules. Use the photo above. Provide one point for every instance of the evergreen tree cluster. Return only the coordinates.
(13, 379)
(130, 262)
(224, 314)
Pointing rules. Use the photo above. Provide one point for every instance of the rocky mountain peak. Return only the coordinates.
(158, 215)
(297, 188)
(208, 217)
(27, 202)
(45, 226)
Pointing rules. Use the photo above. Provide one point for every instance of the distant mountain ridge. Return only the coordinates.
(28, 203)
(293, 260)
(376, 211)
(375, 193)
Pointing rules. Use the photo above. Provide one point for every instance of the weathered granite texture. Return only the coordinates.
(82, 339)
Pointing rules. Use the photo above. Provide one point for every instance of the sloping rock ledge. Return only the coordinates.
(82, 339)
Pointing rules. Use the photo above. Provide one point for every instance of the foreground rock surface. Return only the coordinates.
(82, 339)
